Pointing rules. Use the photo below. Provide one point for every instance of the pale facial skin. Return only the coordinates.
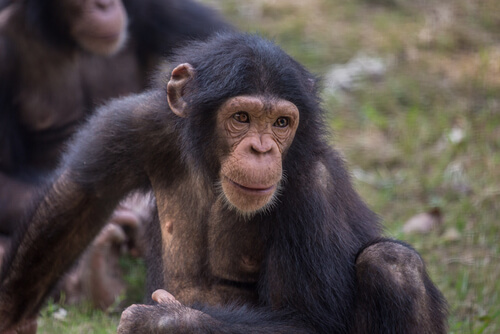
(258, 130)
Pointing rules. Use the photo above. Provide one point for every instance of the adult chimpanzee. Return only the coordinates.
(54, 69)
(58, 59)
(41, 93)
(259, 227)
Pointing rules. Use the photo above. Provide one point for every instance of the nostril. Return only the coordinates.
(257, 150)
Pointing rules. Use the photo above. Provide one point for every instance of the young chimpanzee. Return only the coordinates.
(259, 227)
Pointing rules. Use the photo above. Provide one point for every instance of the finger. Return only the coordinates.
(125, 217)
(163, 297)
(126, 319)
(111, 233)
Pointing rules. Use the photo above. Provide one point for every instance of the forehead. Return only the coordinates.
(259, 104)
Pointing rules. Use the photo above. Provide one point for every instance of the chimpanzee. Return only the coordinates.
(41, 93)
(259, 228)
(58, 59)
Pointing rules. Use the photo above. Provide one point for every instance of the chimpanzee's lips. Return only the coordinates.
(104, 36)
(110, 37)
(257, 189)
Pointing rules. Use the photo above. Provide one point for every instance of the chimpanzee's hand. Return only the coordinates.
(132, 215)
(168, 316)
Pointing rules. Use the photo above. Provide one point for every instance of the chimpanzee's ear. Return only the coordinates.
(175, 88)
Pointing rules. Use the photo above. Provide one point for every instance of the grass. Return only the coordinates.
(83, 318)
(397, 132)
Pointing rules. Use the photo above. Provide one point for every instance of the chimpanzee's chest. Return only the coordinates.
(210, 254)
(235, 247)
(51, 96)
(50, 105)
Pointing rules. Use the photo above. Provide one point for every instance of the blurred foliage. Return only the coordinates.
(425, 134)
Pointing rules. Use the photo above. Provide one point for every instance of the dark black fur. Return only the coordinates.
(158, 26)
(312, 237)
(163, 25)
(26, 154)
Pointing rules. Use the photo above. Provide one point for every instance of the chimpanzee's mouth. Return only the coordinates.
(260, 190)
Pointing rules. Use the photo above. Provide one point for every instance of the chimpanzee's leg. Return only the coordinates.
(394, 292)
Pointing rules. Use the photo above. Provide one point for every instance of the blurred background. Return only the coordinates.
(412, 93)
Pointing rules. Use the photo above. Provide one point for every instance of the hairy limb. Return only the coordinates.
(73, 209)
(63, 224)
(394, 293)
(170, 316)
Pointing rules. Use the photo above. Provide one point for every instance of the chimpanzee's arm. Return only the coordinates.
(104, 163)
(170, 316)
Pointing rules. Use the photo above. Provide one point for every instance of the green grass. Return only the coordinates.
(395, 131)
(83, 318)
(79, 320)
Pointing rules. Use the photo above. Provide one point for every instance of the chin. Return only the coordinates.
(248, 206)
(105, 46)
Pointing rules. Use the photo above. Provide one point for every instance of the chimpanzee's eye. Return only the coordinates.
(281, 122)
(242, 117)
